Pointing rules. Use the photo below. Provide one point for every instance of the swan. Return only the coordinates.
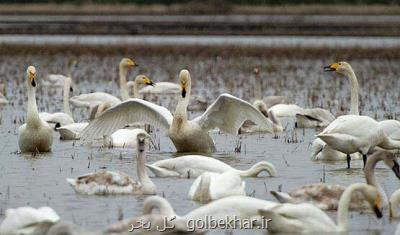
(192, 166)
(238, 208)
(28, 220)
(212, 186)
(352, 133)
(124, 138)
(58, 80)
(227, 113)
(315, 117)
(109, 182)
(394, 204)
(71, 131)
(161, 88)
(307, 218)
(59, 118)
(326, 196)
(321, 151)
(35, 135)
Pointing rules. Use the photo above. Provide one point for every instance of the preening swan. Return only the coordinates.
(28, 220)
(307, 218)
(109, 182)
(227, 113)
(192, 166)
(71, 131)
(352, 133)
(212, 186)
(326, 196)
(35, 135)
(59, 118)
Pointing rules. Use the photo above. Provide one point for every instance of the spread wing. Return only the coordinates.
(228, 114)
(127, 112)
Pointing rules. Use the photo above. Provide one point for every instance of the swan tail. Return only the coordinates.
(72, 182)
(283, 197)
(258, 168)
(162, 172)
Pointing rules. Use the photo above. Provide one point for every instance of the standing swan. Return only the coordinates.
(326, 196)
(35, 135)
(307, 218)
(192, 166)
(109, 182)
(227, 113)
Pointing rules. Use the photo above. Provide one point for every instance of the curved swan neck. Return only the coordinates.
(370, 177)
(123, 72)
(257, 169)
(136, 87)
(344, 203)
(205, 184)
(67, 87)
(32, 112)
(159, 203)
(354, 99)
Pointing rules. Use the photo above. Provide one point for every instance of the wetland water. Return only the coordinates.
(40, 180)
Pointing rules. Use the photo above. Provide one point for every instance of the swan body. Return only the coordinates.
(35, 135)
(125, 138)
(311, 118)
(394, 204)
(326, 196)
(71, 131)
(391, 128)
(212, 186)
(307, 218)
(250, 127)
(54, 80)
(286, 110)
(192, 166)
(28, 221)
(227, 113)
(109, 182)
(321, 151)
(161, 88)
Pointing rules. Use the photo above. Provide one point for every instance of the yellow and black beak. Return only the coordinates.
(332, 67)
(378, 208)
(32, 79)
(183, 86)
(148, 81)
(132, 63)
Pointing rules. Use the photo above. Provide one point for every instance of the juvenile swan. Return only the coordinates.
(306, 218)
(109, 182)
(35, 135)
(227, 113)
(192, 166)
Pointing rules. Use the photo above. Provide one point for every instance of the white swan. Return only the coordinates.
(321, 151)
(161, 88)
(109, 182)
(315, 117)
(394, 204)
(124, 138)
(326, 196)
(71, 131)
(307, 218)
(58, 80)
(28, 220)
(212, 186)
(192, 166)
(35, 135)
(227, 113)
(250, 127)
(61, 118)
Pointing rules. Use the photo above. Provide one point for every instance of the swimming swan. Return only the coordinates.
(61, 119)
(192, 166)
(307, 218)
(250, 127)
(227, 113)
(212, 186)
(326, 196)
(28, 220)
(35, 135)
(58, 80)
(109, 182)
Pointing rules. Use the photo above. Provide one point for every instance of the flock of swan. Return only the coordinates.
(221, 188)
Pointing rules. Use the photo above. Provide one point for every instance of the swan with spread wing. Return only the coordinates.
(227, 113)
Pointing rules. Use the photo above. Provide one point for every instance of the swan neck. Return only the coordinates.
(67, 86)
(354, 93)
(257, 169)
(136, 88)
(205, 184)
(123, 72)
(343, 208)
(181, 108)
(161, 204)
(370, 177)
(141, 170)
(32, 114)
(257, 87)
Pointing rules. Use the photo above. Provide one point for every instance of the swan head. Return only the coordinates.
(260, 105)
(184, 78)
(394, 204)
(339, 67)
(31, 75)
(143, 79)
(141, 141)
(126, 62)
(72, 63)
(373, 197)
(390, 161)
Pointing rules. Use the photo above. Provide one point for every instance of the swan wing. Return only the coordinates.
(228, 114)
(94, 99)
(130, 111)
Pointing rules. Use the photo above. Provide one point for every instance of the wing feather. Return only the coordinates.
(228, 114)
(127, 112)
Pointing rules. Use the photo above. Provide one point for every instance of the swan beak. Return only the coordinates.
(378, 208)
(132, 63)
(396, 169)
(332, 67)
(183, 92)
(32, 78)
(71, 89)
(148, 81)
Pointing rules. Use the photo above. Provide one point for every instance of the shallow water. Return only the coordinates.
(40, 180)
